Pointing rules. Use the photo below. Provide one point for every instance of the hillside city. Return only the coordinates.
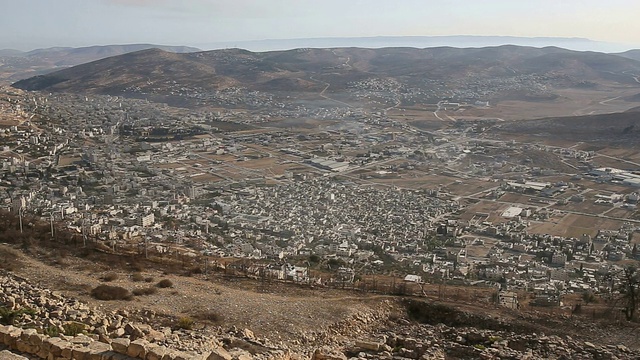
(364, 196)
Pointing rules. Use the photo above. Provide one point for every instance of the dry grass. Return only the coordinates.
(9, 258)
(210, 317)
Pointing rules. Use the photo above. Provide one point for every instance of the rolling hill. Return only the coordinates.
(460, 41)
(471, 74)
(16, 65)
(612, 129)
(68, 56)
(631, 54)
(10, 52)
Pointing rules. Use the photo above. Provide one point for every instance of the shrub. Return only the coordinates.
(148, 279)
(73, 328)
(589, 297)
(110, 277)
(51, 331)
(164, 283)
(137, 277)
(9, 317)
(108, 292)
(185, 323)
(195, 270)
(137, 266)
(210, 316)
(145, 291)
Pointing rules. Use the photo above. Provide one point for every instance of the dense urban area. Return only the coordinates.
(369, 195)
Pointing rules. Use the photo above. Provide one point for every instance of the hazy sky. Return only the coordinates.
(28, 24)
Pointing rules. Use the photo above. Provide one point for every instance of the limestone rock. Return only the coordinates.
(138, 348)
(219, 354)
(368, 345)
(7, 355)
(248, 334)
(120, 345)
(326, 353)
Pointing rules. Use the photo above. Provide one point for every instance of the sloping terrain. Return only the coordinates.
(616, 128)
(483, 73)
(288, 318)
(631, 54)
(16, 65)
(75, 56)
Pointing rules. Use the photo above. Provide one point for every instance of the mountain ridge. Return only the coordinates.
(573, 43)
(16, 65)
(631, 54)
(157, 72)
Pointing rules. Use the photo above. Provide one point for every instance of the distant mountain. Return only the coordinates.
(75, 56)
(492, 73)
(461, 41)
(10, 52)
(15, 65)
(631, 54)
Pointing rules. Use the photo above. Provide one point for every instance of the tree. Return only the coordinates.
(588, 297)
(630, 290)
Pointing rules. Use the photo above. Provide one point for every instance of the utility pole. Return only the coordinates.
(51, 222)
(84, 234)
(20, 215)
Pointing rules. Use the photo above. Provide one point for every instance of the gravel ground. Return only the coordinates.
(275, 311)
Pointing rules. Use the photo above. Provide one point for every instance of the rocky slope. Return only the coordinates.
(47, 324)
(41, 322)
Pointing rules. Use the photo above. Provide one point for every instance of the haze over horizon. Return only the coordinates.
(204, 23)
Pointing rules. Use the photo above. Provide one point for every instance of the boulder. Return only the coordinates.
(11, 336)
(80, 353)
(119, 332)
(155, 352)
(81, 340)
(56, 345)
(155, 336)
(120, 345)
(7, 355)
(138, 348)
(219, 354)
(368, 345)
(327, 353)
(239, 354)
(133, 331)
(97, 349)
(248, 334)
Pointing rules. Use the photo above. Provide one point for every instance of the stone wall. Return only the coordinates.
(83, 347)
